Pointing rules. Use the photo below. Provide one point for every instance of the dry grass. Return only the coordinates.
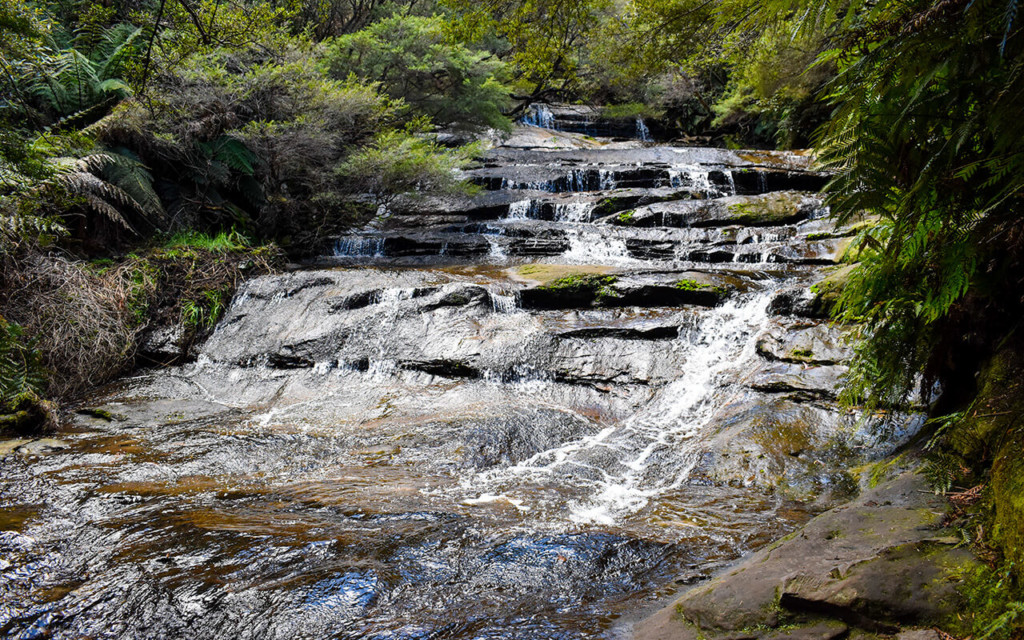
(86, 321)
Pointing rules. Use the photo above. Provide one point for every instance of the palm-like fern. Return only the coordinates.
(108, 183)
(927, 133)
(69, 81)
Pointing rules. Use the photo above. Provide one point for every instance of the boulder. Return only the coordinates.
(876, 563)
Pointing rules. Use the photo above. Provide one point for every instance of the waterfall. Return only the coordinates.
(503, 301)
(359, 247)
(505, 440)
(692, 177)
(497, 250)
(587, 247)
(539, 116)
(607, 179)
(573, 211)
(520, 209)
(620, 469)
(643, 134)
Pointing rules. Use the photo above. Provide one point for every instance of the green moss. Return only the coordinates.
(767, 209)
(580, 282)
(827, 291)
(802, 354)
(691, 285)
(994, 607)
(186, 242)
(101, 414)
(822, 235)
(549, 273)
(1007, 483)
(626, 217)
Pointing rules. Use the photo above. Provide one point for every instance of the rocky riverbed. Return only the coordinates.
(527, 413)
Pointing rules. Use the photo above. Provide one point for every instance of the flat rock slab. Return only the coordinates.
(876, 563)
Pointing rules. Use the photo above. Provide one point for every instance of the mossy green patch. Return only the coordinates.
(827, 291)
(600, 286)
(101, 414)
(994, 607)
(692, 285)
(774, 208)
(548, 274)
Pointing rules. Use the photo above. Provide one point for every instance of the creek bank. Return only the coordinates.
(879, 565)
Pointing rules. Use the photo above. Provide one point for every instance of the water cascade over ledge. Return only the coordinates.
(529, 414)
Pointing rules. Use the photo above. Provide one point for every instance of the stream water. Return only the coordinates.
(416, 439)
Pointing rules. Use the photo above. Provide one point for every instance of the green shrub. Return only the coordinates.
(411, 59)
(400, 162)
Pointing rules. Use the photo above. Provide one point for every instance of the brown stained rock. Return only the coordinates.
(908, 583)
(868, 563)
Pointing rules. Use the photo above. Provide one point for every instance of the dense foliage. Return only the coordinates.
(277, 121)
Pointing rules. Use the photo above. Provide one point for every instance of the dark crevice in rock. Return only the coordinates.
(354, 301)
(797, 604)
(654, 333)
(288, 361)
(442, 367)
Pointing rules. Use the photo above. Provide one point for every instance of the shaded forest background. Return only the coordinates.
(155, 152)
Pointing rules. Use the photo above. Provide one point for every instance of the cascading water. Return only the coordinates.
(611, 471)
(359, 247)
(573, 211)
(643, 134)
(588, 247)
(539, 116)
(517, 439)
(520, 210)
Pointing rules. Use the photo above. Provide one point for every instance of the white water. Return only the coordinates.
(573, 211)
(497, 250)
(504, 302)
(359, 247)
(642, 132)
(699, 179)
(620, 469)
(530, 185)
(539, 116)
(520, 210)
(588, 247)
(607, 179)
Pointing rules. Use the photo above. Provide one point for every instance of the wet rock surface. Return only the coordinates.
(877, 564)
(508, 416)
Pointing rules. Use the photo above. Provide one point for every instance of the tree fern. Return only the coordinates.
(109, 184)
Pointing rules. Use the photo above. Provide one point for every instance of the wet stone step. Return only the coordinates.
(609, 292)
(770, 209)
(664, 156)
(712, 181)
(577, 242)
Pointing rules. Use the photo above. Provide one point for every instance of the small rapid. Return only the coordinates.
(619, 470)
